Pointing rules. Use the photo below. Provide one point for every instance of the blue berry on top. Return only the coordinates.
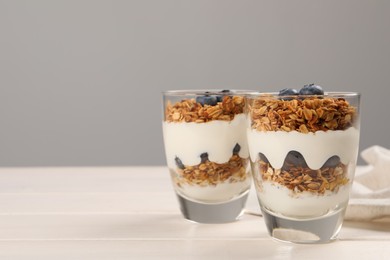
(207, 100)
(311, 89)
(288, 92)
(220, 98)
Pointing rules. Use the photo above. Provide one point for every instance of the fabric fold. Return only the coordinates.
(370, 194)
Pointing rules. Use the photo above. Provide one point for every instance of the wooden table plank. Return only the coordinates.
(132, 213)
(191, 249)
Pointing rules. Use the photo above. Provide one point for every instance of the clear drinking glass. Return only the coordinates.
(303, 152)
(207, 154)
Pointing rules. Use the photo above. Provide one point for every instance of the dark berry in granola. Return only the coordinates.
(179, 163)
(294, 159)
(263, 158)
(332, 162)
(204, 157)
(236, 149)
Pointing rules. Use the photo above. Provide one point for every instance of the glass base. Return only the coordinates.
(213, 213)
(305, 231)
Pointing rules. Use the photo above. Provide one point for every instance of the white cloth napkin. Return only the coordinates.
(370, 195)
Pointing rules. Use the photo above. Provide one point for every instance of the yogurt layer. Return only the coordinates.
(316, 147)
(217, 138)
(281, 200)
(213, 194)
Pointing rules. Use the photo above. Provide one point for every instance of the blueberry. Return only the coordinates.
(288, 92)
(204, 157)
(263, 158)
(179, 163)
(236, 149)
(220, 97)
(294, 159)
(311, 89)
(207, 100)
(332, 162)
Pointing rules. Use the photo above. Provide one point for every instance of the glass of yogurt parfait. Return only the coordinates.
(207, 155)
(303, 149)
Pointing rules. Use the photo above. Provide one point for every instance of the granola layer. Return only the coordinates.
(211, 173)
(310, 114)
(189, 110)
(299, 179)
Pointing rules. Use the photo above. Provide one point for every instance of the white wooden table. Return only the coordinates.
(132, 213)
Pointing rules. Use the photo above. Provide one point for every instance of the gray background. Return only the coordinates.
(81, 81)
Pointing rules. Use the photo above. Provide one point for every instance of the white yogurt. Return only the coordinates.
(188, 141)
(316, 147)
(280, 199)
(222, 192)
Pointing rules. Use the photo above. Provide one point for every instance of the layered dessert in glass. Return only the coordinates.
(207, 154)
(303, 148)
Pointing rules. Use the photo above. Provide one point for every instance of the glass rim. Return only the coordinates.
(202, 92)
(333, 94)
